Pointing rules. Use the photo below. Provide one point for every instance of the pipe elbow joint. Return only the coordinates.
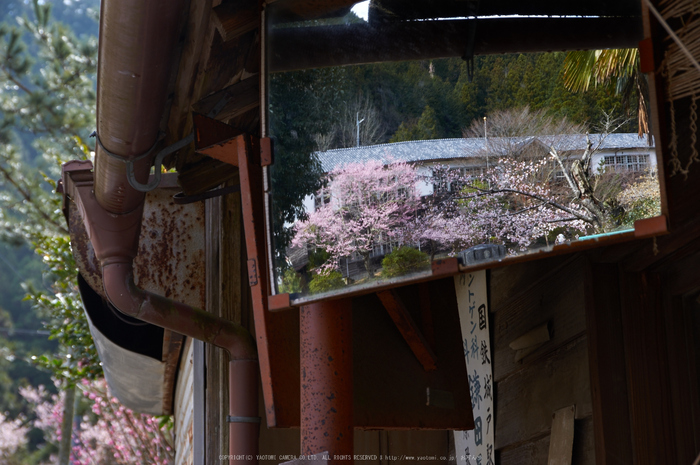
(122, 292)
(119, 286)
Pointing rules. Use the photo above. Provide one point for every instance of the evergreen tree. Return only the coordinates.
(47, 112)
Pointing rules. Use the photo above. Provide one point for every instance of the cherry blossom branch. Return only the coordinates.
(485, 192)
(553, 152)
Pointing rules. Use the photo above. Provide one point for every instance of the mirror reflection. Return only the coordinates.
(381, 168)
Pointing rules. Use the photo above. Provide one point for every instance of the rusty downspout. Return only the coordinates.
(138, 43)
(243, 418)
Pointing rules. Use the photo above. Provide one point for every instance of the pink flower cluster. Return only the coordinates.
(370, 204)
(12, 435)
(110, 434)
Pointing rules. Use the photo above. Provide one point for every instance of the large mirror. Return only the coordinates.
(409, 132)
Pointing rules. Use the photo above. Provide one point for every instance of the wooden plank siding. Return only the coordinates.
(606, 354)
(184, 408)
(554, 376)
(227, 296)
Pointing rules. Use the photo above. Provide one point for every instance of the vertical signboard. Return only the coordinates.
(476, 446)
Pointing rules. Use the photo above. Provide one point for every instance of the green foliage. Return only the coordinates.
(426, 127)
(326, 281)
(291, 282)
(403, 261)
(641, 199)
(640, 209)
(617, 72)
(46, 111)
(299, 106)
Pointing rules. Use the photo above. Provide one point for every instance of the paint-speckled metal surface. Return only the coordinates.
(170, 260)
(327, 380)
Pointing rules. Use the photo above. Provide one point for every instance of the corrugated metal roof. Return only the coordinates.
(448, 149)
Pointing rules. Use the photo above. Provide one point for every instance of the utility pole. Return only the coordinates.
(358, 121)
(486, 140)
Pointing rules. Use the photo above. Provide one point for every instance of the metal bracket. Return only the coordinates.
(157, 162)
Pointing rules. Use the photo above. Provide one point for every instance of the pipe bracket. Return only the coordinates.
(157, 165)
(157, 162)
(234, 419)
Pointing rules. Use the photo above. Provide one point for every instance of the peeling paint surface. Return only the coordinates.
(170, 261)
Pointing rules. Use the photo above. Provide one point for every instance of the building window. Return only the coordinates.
(465, 175)
(321, 198)
(627, 162)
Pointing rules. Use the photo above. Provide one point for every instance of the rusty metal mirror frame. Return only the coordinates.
(440, 268)
(277, 331)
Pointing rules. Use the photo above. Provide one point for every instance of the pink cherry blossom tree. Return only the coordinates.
(110, 434)
(12, 436)
(513, 203)
(370, 204)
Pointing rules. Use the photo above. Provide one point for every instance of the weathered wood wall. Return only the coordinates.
(556, 375)
(227, 296)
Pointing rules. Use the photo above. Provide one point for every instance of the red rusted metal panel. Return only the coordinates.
(408, 328)
(445, 267)
(170, 261)
(650, 227)
(276, 334)
(327, 380)
(278, 302)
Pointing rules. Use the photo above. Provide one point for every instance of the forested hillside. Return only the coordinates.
(428, 99)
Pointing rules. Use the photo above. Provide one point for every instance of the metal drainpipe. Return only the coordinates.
(244, 423)
(137, 45)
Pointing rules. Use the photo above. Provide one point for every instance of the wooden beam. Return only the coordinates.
(408, 328)
(233, 19)
(216, 368)
(194, 55)
(682, 331)
(683, 274)
(426, 315)
(300, 10)
(232, 101)
(418, 9)
(323, 46)
(656, 253)
(561, 441)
